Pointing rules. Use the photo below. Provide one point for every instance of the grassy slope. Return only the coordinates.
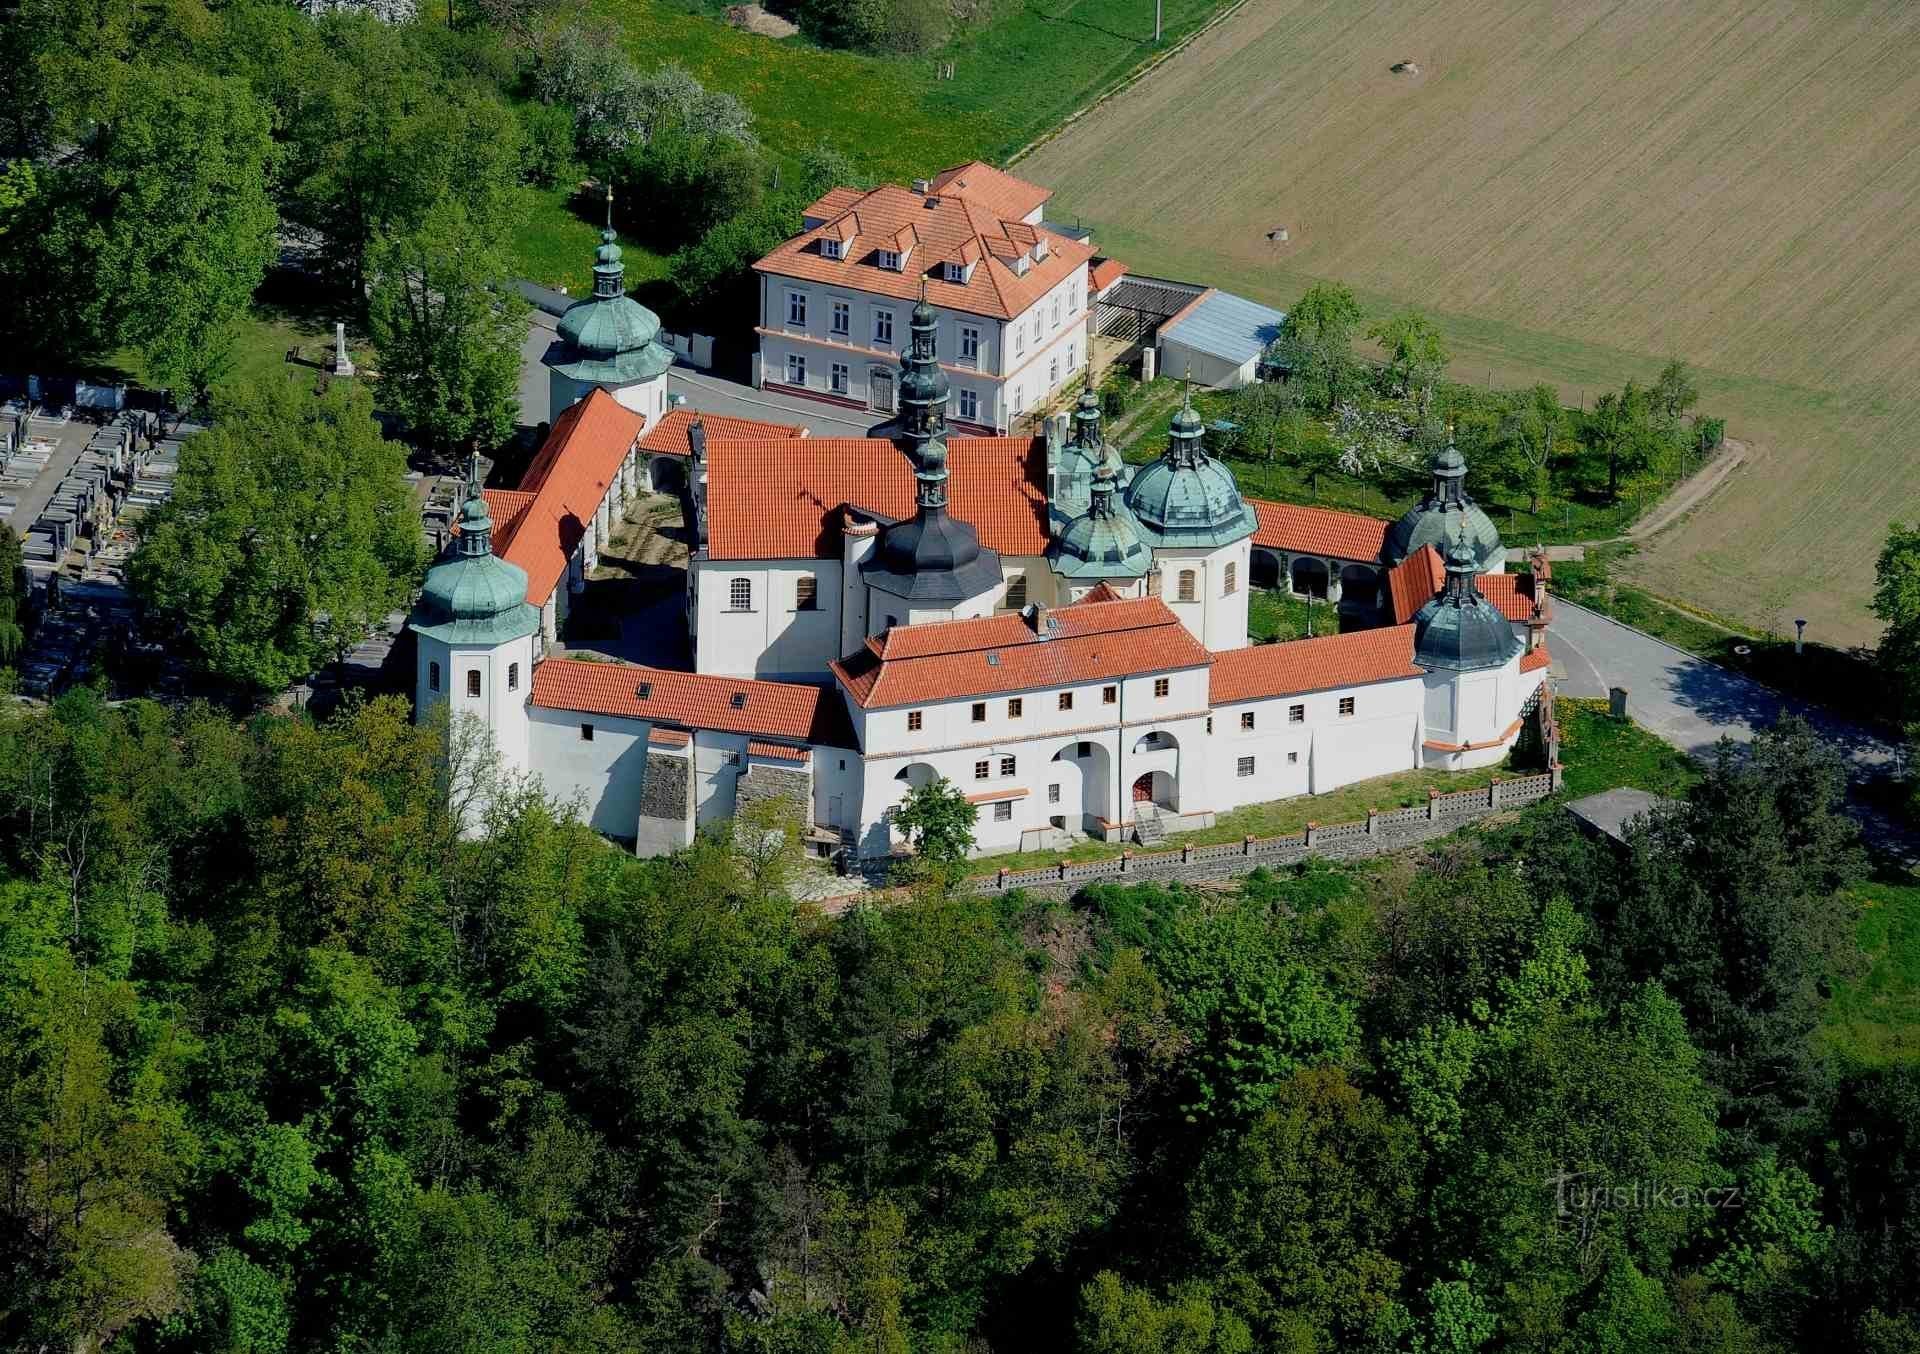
(1876, 1018)
(1577, 194)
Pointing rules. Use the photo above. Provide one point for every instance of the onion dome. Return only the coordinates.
(473, 596)
(1186, 498)
(1460, 630)
(1104, 541)
(1443, 514)
(930, 558)
(609, 338)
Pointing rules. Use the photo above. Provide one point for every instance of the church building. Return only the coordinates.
(1060, 634)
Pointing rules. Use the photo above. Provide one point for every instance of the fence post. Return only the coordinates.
(1246, 845)
(1373, 822)
(1063, 869)
(1003, 879)
(1186, 853)
(1311, 827)
(1433, 797)
(1493, 793)
(1555, 773)
(1126, 861)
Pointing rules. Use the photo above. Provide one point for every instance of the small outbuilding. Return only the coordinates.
(1219, 337)
(1611, 812)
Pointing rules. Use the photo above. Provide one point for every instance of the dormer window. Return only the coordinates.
(829, 249)
(890, 259)
(956, 272)
(1040, 248)
(1021, 264)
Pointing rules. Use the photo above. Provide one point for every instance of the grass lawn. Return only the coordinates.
(557, 236)
(1875, 1019)
(276, 323)
(1273, 615)
(1600, 753)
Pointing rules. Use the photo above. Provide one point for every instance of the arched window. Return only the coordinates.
(1017, 590)
(1187, 578)
(1229, 580)
(433, 676)
(740, 594)
(473, 681)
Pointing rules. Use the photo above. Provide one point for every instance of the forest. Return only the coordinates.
(287, 1063)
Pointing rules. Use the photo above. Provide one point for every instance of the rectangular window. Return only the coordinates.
(1003, 811)
(586, 733)
(797, 309)
(1296, 714)
(1245, 766)
(980, 770)
(979, 712)
(1053, 794)
(842, 318)
(1073, 300)
(806, 593)
(1161, 686)
(796, 369)
(1015, 708)
(1109, 695)
(1066, 700)
(1019, 339)
(473, 681)
(969, 343)
(513, 676)
(1056, 312)
(1007, 765)
(1053, 373)
(883, 326)
(890, 258)
(837, 381)
(1246, 721)
(955, 272)
(1346, 705)
(433, 676)
(914, 720)
(1187, 585)
(829, 249)
(1229, 580)
(1292, 758)
(740, 594)
(970, 406)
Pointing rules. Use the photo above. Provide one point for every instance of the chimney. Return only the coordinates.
(1037, 618)
(923, 186)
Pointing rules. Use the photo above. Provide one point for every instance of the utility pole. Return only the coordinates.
(1156, 21)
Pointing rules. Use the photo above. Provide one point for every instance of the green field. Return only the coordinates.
(1875, 1018)
(1577, 194)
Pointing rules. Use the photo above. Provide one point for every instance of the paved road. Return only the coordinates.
(1686, 700)
(709, 394)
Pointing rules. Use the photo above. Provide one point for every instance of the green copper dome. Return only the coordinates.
(609, 338)
(1104, 541)
(1460, 630)
(1186, 498)
(1445, 512)
(473, 596)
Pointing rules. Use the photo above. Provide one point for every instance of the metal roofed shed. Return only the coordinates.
(1220, 338)
(1611, 812)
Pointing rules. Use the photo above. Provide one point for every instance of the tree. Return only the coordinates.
(937, 821)
(13, 595)
(1530, 434)
(1316, 340)
(1675, 391)
(292, 532)
(1416, 354)
(1896, 601)
(449, 327)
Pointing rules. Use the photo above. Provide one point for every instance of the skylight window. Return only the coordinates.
(646, 690)
(738, 700)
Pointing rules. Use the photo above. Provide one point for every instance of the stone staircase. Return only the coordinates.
(1148, 830)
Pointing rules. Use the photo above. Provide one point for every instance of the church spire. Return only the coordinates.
(923, 407)
(476, 522)
(1185, 444)
(609, 274)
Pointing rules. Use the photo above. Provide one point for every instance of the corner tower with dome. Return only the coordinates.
(1446, 512)
(609, 341)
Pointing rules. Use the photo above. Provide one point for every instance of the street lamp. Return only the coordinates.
(1799, 633)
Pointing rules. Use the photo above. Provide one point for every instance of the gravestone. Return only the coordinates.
(342, 364)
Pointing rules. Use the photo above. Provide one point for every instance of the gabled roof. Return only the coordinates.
(563, 487)
(506, 507)
(1298, 666)
(1104, 273)
(781, 499)
(669, 437)
(833, 202)
(953, 660)
(941, 226)
(994, 189)
(1536, 658)
(801, 714)
(1318, 531)
(1225, 326)
(1413, 582)
(1512, 593)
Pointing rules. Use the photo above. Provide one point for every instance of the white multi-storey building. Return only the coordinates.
(1010, 296)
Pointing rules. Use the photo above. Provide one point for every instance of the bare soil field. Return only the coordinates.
(1578, 192)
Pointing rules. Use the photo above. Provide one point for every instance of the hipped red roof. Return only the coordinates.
(1303, 665)
(1318, 531)
(802, 714)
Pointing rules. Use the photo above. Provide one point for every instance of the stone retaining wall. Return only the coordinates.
(1380, 832)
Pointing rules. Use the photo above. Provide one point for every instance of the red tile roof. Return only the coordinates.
(1104, 273)
(771, 499)
(1298, 666)
(994, 189)
(1535, 659)
(780, 752)
(669, 738)
(1413, 581)
(950, 660)
(804, 714)
(506, 507)
(1512, 593)
(669, 436)
(992, 796)
(942, 227)
(1318, 531)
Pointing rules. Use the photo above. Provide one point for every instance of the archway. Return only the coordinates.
(1080, 785)
(666, 475)
(1266, 569)
(908, 778)
(1152, 789)
(1359, 587)
(1309, 577)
